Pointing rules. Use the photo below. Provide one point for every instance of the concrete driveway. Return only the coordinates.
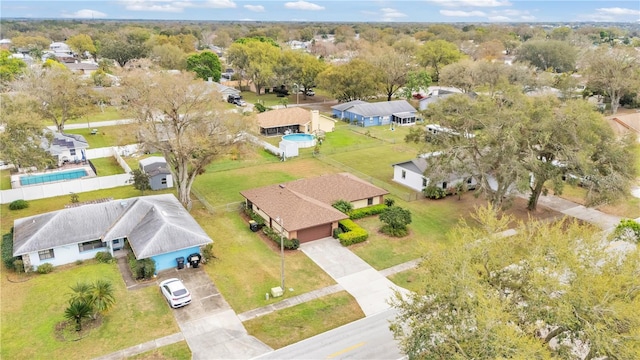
(212, 329)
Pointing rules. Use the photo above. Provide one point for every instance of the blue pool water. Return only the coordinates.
(51, 177)
(302, 140)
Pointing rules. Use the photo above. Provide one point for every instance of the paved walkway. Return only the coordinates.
(604, 221)
(370, 288)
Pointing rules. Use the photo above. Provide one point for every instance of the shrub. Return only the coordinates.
(434, 192)
(104, 257)
(389, 202)
(367, 211)
(336, 232)
(289, 244)
(628, 230)
(343, 206)
(395, 232)
(207, 253)
(18, 266)
(79, 262)
(141, 269)
(352, 234)
(45, 268)
(18, 204)
(396, 220)
(255, 217)
(7, 250)
(260, 107)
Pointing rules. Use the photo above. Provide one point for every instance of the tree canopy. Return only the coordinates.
(185, 120)
(549, 291)
(554, 55)
(357, 79)
(436, 54)
(205, 65)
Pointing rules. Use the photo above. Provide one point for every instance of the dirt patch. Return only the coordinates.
(66, 330)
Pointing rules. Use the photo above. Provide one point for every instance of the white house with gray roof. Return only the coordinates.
(156, 227)
(411, 174)
(361, 113)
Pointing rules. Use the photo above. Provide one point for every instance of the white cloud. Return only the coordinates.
(254, 8)
(174, 6)
(85, 14)
(303, 5)
(389, 14)
(499, 18)
(460, 13)
(618, 11)
(471, 3)
(528, 17)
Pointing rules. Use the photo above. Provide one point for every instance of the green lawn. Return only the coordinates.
(32, 309)
(118, 135)
(5, 179)
(302, 321)
(107, 166)
(246, 267)
(109, 113)
(177, 351)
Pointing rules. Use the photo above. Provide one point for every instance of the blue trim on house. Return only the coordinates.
(168, 260)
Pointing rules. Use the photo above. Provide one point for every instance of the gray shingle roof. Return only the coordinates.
(382, 108)
(153, 225)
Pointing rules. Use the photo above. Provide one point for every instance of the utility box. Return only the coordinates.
(277, 291)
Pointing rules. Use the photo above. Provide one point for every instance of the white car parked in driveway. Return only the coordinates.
(175, 292)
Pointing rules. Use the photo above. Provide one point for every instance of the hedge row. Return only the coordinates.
(7, 251)
(289, 244)
(367, 211)
(352, 234)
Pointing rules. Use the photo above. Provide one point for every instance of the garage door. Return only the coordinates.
(314, 233)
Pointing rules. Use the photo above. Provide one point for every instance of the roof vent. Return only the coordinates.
(281, 186)
(123, 203)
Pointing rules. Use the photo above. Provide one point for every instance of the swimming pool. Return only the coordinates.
(52, 177)
(303, 140)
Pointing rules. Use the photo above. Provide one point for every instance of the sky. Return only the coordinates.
(336, 10)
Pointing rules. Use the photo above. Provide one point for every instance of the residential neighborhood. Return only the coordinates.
(220, 189)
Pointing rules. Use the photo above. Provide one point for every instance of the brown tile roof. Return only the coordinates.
(307, 202)
(284, 117)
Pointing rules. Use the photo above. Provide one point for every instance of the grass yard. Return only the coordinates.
(109, 113)
(34, 307)
(302, 321)
(629, 206)
(246, 267)
(5, 179)
(177, 351)
(118, 135)
(107, 166)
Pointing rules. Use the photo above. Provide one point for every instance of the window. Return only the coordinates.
(370, 201)
(46, 254)
(404, 174)
(469, 180)
(163, 181)
(424, 182)
(90, 245)
(72, 151)
(444, 185)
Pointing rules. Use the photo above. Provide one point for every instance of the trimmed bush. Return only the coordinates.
(289, 244)
(141, 269)
(7, 251)
(367, 211)
(352, 234)
(207, 253)
(336, 232)
(18, 266)
(104, 257)
(434, 192)
(627, 230)
(18, 205)
(343, 206)
(255, 217)
(45, 268)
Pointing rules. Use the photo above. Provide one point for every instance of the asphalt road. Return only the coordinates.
(368, 338)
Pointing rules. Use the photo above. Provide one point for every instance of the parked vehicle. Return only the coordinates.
(309, 92)
(237, 100)
(175, 292)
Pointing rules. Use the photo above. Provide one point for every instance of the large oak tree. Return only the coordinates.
(184, 119)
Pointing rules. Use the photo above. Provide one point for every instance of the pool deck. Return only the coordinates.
(15, 179)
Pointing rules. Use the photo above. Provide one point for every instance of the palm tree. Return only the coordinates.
(81, 292)
(77, 311)
(102, 296)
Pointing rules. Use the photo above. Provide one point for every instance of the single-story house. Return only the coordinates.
(66, 147)
(82, 68)
(365, 114)
(302, 208)
(224, 90)
(156, 227)
(411, 174)
(438, 93)
(159, 174)
(290, 120)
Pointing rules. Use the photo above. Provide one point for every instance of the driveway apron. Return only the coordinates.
(209, 325)
(370, 289)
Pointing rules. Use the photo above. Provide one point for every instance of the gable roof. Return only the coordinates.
(151, 160)
(379, 108)
(307, 202)
(284, 117)
(418, 166)
(348, 105)
(153, 225)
